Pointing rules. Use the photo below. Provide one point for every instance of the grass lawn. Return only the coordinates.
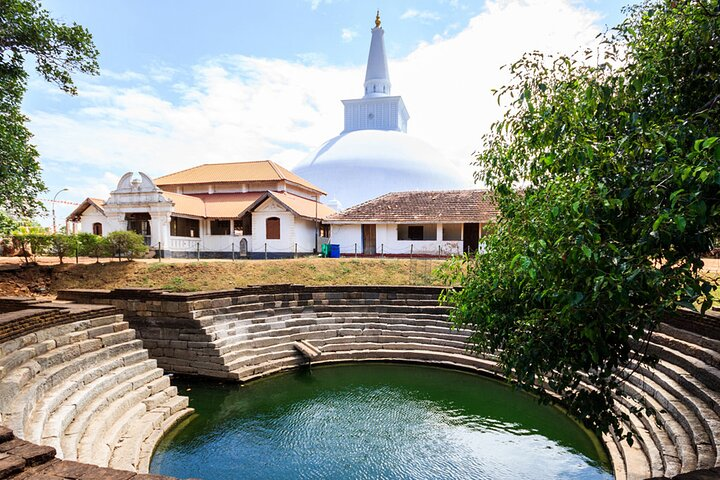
(46, 279)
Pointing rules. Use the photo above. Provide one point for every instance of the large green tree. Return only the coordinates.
(59, 51)
(606, 170)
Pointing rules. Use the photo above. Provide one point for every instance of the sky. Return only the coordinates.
(184, 83)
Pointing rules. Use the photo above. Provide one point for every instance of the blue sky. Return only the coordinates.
(186, 82)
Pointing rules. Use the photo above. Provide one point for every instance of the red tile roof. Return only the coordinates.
(259, 171)
(449, 206)
(77, 213)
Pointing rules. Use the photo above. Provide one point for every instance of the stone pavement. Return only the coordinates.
(21, 460)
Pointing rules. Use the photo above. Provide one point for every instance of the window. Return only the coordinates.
(417, 232)
(138, 223)
(219, 227)
(452, 231)
(324, 230)
(272, 228)
(97, 228)
(243, 226)
(184, 227)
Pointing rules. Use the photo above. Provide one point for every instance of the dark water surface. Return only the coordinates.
(374, 421)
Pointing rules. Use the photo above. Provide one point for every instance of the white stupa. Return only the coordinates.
(374, 154)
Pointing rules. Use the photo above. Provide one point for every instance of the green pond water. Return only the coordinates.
(374, 421)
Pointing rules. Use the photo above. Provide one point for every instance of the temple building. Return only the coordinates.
(374, 154)
(245, 209)
(430, 223)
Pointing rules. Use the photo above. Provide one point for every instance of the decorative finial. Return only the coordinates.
(377, 19)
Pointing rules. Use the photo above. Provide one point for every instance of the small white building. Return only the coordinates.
(254, 209)
(436, 223)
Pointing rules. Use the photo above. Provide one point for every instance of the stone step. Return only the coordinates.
(636, 464)
(345, 329)
(651, 442)
(705, 373)
(148, 446)
(683, 447)
(328, 304)
(453, 360)
(699, 397)
(616, 457)
(37, 379)
(692, 384)
(103, 433)
(59, 334)
(277, 349)
(277, 352)
(75, 430)
(126, 453)
(365, 345)
(367, 329)
(76, 388)
(690, 337)
(674, 399)
(707, 354)
(278, 323)
(323, 338)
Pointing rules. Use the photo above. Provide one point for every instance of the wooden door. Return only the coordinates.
(471, 237)
(368, 240)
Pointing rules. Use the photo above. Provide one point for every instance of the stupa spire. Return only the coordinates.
(377, 78)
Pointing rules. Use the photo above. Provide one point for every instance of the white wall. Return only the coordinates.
(386, 241)
(305, 234)
(346, 236)
(90, 216)
(286, 243)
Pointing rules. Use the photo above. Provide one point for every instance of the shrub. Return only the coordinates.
(122, 244)
(61, 245)
(91, 245)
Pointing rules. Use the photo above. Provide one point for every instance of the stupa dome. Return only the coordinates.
(374, 155)
(363, 164)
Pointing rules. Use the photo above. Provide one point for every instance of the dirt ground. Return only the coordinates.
(48, 276)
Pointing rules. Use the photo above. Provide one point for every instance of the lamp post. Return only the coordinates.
(53, 207)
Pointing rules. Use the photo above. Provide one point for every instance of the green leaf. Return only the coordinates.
(680, 222)
(586, 250)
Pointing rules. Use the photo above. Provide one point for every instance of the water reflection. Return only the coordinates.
(375, 421)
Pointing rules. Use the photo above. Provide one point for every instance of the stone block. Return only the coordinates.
(11, 465)
(33, 454)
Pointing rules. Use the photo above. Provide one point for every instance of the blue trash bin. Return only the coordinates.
(334, 250)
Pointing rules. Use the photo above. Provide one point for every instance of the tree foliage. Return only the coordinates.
(59, 51)
(91, 245)
(606, 170)
(125, 244)
(61, 245)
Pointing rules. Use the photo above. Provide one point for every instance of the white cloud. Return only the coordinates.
(426, 15)
(347, 35)
(315, 4)
(238, 108)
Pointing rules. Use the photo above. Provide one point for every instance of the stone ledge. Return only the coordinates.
(21, 460)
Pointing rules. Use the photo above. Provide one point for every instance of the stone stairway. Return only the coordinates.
(88, 389)
(684, 390)
(251, 332)
(256, 339)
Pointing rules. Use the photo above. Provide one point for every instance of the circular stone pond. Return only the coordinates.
(369, 421)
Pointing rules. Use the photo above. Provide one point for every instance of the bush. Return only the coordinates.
(127, 245)
(91, 245)
(61, 245)
(30, 241)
